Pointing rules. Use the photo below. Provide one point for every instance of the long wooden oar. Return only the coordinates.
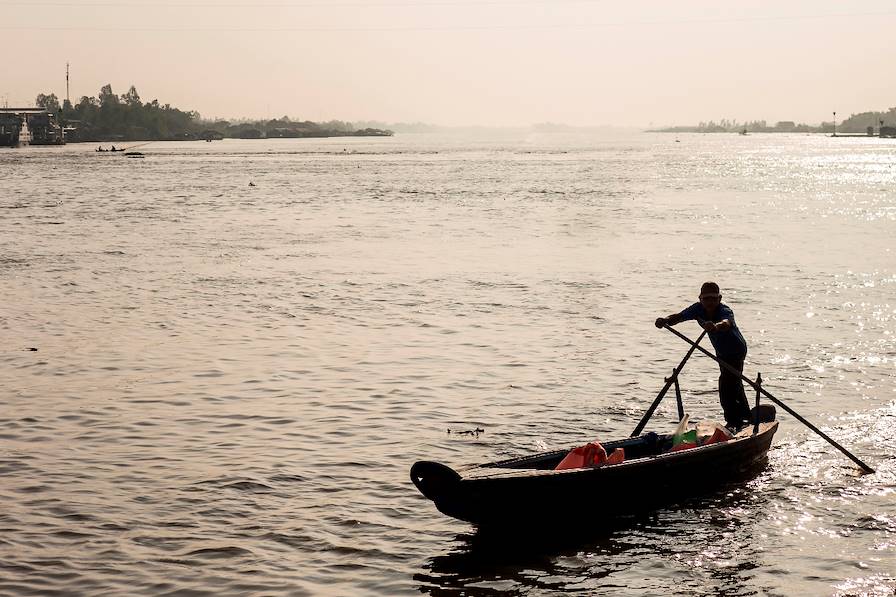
(762, 390)
(136, 146)
(669, 382)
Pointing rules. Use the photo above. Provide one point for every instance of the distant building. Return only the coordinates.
(35, 126)
(785, 125)
(45, 129)
(211, 135)
(250, 134)
(888, 131)
(10, 127)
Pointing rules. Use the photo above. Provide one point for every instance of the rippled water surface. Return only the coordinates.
(208, 387)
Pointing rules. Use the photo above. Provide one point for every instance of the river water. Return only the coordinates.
(209, 387)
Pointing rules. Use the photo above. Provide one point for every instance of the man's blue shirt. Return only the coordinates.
(729, 345)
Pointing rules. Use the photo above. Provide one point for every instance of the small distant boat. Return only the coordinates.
(744, 132)
(112, 150)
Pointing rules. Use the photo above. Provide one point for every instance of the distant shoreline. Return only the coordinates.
(866, 123)
(746, 130)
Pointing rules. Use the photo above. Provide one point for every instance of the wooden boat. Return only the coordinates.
(529, 491)
(513, 491)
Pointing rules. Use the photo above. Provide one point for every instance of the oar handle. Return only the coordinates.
(765, 392)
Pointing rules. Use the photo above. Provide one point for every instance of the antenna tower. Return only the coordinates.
(66, 85)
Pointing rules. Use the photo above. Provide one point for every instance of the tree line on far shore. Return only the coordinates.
(111, 117)
(856, 123)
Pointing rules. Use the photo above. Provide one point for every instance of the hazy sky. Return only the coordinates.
(452, 62)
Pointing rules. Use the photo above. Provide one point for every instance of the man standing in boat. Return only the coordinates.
(717, 319)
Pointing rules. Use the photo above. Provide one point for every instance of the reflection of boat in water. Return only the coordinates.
(598, 548)
(530, 490)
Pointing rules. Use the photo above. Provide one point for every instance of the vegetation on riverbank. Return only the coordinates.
(110, 117)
